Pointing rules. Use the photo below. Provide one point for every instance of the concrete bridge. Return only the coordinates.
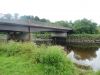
(19, 30)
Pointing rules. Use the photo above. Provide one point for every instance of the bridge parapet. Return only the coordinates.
(35, 23)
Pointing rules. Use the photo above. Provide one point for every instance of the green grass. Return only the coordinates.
(84, 37)
(30, 59)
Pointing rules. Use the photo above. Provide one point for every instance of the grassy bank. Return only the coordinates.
(92, 38)
(30, 59)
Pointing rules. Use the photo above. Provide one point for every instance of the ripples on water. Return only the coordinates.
(85, 55)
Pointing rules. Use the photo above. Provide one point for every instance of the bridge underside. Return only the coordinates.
(23, 32)
(26, 36)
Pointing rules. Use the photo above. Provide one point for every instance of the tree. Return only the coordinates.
(63, 23)
(44, 20)
(36, 18)
(27, 18)
(84, 26)
(8, 16)
(16, 16)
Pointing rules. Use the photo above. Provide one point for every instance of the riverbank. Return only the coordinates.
(84, 38)
(30, 59)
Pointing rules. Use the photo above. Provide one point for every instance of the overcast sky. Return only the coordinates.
(54, 10)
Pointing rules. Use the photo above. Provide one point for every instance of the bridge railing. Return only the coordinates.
(33, 23)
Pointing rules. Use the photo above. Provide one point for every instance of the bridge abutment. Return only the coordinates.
(19, 36)
(59, 38)
(58, 34)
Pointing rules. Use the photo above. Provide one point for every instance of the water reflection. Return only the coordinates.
(85, 55)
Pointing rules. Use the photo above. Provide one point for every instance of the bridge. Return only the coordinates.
(22, 30)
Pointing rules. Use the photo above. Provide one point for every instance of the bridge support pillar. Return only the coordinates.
(59, 40)
(19, 36)
(59, 37)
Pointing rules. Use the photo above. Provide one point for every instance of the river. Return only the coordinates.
(88, 55)
(83, 54)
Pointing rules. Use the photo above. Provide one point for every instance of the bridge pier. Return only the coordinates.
(59, 40)
(19, 36)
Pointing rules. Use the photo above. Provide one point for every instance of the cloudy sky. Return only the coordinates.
(54, 10)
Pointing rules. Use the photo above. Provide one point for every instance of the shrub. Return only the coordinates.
(48, 60)
(55, 61)
(15, 48)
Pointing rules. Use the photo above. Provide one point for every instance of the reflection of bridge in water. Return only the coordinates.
(21, 30)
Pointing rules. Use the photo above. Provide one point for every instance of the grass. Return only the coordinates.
(30, 59)
(83, 37)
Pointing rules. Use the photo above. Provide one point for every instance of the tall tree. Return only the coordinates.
(16, 16)
(36, 18)
(27, 18)
(62, 23)
(44, 20)
(8, 16)
(84, 26)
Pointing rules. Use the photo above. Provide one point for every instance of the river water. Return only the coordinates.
(88, 55)
(82, 54)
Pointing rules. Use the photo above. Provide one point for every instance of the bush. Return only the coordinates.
(44, 60)
(14, 48)
(83, 37)
(55, 61)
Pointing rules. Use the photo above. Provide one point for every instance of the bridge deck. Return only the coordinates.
(13, 25)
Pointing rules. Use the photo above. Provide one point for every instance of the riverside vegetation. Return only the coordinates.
(30, 59)
(84, 38)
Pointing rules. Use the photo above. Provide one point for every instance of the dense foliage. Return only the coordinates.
(84, 37)
(30, 59)
(64, 23)
(84, 26)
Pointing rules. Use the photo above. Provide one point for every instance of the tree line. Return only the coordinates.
(23, 17)
(82, 26)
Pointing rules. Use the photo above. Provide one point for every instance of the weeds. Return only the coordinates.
(30, 59)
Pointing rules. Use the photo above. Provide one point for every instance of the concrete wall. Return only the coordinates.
(59, 35)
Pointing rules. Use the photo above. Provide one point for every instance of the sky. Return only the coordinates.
(54, 10)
